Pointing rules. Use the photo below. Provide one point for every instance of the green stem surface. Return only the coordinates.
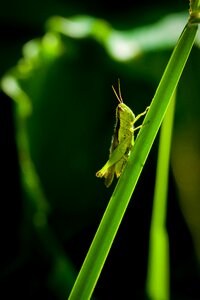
(99, 249)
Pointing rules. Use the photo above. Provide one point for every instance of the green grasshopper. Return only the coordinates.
(122, 140)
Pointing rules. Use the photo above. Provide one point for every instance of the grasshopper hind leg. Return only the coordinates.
(109, 176)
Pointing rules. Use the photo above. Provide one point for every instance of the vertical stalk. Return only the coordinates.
(158, 265)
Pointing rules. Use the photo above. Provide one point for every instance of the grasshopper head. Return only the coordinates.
(125, 113)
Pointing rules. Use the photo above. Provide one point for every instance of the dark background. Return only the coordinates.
(69, 134)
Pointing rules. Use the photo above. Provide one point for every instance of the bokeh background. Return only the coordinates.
(63, 116)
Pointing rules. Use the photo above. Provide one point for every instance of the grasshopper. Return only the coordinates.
(122, 140)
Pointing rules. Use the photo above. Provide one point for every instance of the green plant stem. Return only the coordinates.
(99, 249)
(158, 265)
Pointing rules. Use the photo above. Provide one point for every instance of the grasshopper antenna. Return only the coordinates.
(119, 97)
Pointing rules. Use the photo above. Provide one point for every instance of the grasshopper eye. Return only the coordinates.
(121, 108)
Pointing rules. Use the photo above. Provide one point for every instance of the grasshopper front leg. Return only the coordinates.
(140, 115)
